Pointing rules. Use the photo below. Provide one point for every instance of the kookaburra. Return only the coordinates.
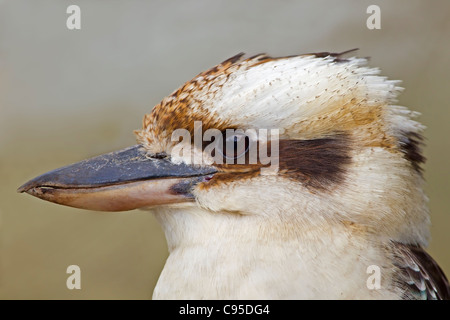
(344, 202)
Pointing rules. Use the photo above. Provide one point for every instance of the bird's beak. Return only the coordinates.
(119, 181)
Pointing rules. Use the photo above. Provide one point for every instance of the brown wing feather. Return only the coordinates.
(419, 274)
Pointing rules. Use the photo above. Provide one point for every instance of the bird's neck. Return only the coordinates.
(247, 257)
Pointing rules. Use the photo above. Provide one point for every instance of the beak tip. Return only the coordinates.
(26, 187)
(22, 189)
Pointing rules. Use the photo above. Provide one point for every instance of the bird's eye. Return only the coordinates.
(235, 145)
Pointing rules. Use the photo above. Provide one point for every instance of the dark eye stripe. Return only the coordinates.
(317, 163)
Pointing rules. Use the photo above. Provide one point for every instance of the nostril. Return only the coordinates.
(159, 155)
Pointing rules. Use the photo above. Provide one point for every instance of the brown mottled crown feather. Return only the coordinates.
(337, 56)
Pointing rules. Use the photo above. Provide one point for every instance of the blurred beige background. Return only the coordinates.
(67, 95)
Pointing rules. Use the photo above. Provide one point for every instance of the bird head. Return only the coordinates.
(302, 140)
